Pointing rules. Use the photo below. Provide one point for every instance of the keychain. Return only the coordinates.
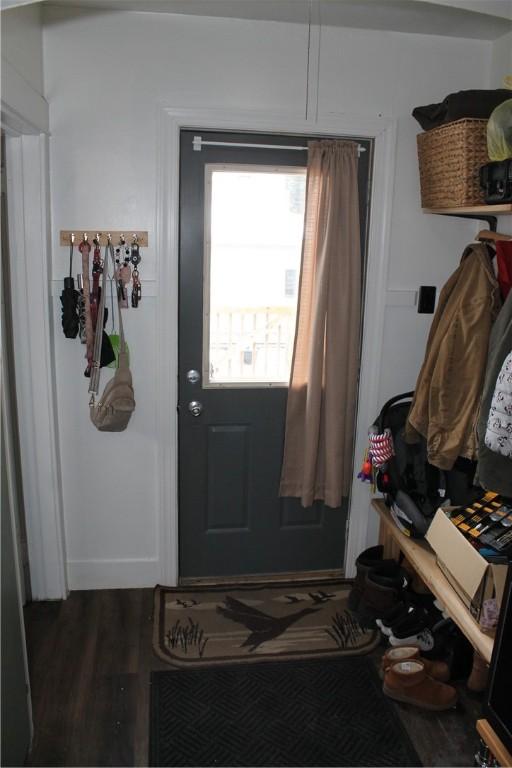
(135, 259)
(122, 278)
(136, 289)
(97, 269)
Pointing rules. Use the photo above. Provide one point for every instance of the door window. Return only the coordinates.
(254, 219)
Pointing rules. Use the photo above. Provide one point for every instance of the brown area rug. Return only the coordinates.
(199, 626)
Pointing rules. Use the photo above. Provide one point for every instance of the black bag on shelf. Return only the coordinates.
(473, 104)
(496, 181)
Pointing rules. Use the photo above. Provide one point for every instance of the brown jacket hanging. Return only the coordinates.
(449, 387)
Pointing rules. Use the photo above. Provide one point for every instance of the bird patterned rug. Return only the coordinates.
(197, 626)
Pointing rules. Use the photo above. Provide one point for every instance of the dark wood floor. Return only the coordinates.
(90, 658)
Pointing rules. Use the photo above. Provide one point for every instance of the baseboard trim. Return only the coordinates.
(113, 574)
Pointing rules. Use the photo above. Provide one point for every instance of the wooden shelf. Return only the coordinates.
(498, 749)
(486, 210)
(423, 560)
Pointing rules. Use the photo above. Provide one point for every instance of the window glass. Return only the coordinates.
(254, 222)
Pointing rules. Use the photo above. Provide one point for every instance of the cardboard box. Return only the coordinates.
(471, 576)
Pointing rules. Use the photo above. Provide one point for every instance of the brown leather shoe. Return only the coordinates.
(436, 669)
(408, 681)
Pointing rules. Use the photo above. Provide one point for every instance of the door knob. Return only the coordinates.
(195, 407)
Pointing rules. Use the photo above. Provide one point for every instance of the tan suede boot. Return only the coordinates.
(477, 681)
(408, 681)
(436, 669)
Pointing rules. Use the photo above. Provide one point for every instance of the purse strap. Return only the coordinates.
(85, 250)
(123, 358)
(94, 383)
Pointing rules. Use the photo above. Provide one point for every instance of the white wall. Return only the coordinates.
(106, 76)
(22, 43)
(22, 66)
(501, 63)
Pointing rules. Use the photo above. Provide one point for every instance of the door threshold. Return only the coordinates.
(259, 578)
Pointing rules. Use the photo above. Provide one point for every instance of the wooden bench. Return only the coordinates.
(423, 560)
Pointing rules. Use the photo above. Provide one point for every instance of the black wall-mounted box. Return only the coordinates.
(426, 299)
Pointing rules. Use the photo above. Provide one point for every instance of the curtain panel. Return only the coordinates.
(321, 407)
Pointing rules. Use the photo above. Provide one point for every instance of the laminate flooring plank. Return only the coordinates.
(78, 734)
(148, 661)
(41, 628)
(119, 636)
(440, 738)
(111, 716)
(57, 702)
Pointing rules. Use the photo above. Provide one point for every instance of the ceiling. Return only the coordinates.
(480, 19)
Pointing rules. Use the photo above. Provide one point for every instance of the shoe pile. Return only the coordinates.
(411, 679)
(382, 596)
(419, 632)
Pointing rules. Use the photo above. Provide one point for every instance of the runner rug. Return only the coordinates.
(201, 626)
(321, 712)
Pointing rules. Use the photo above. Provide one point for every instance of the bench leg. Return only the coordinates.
(390, 544)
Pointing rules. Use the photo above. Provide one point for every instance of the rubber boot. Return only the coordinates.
(383, 590)
(370, 558)
(436, 669)
(408, 682)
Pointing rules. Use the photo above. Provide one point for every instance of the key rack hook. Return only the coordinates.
(139, 237)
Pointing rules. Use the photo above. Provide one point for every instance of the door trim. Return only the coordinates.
(29, 230)
(171, 121)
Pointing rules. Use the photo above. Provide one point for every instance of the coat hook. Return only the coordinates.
(72, 237)
(109, 237)
(122, 240)
(135, 238)
(85, 237)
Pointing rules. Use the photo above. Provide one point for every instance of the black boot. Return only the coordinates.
(383, 591)
(370, 558)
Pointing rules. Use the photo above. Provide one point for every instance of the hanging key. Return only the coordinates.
(137, 288)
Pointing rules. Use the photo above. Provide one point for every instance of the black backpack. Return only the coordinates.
(413, 488)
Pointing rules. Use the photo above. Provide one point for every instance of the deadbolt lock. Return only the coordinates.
(193, 376)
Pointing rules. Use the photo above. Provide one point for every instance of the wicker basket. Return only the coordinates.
(450, 158)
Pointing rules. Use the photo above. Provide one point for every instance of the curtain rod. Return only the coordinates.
(198, 142)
